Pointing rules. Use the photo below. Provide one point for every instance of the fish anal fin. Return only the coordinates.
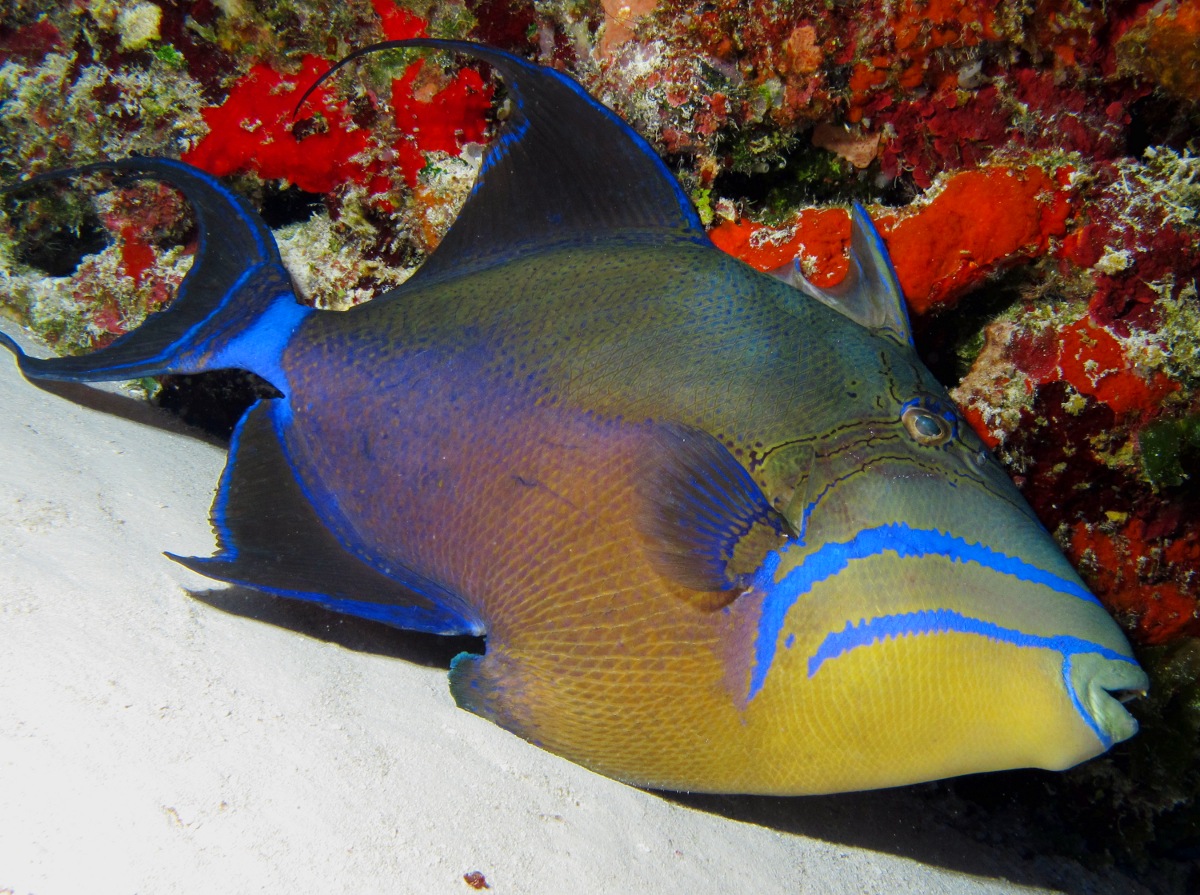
(706, 523)
(272, 538)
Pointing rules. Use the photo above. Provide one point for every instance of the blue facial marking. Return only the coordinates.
(942, 621)
(946, 621)
(897, 538)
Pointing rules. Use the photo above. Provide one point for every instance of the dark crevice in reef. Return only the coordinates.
(53, 241)
(212, 402)
(803, 174)
(289, 205)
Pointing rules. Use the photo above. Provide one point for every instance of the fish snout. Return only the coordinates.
(1101, 686)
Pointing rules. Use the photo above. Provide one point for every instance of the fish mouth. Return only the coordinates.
(1103, 686)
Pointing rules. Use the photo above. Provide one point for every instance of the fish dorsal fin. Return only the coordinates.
(869, 294)
(707, 523)
(560, 168)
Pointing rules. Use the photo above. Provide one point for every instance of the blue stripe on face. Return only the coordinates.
(945, 621)
(897, 538)
(942, 621)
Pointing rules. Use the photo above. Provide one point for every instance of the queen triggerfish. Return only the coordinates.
(722, 530)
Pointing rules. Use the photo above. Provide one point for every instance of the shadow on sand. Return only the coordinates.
(929, 823)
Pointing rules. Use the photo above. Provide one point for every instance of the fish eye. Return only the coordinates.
(926, 427)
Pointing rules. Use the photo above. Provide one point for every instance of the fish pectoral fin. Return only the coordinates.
(491, 686)
(272, 538)
(870, 293)
(707, 524)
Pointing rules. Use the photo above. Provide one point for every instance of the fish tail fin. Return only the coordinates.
(236, 308)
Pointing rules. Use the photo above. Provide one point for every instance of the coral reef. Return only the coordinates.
(1033, 168)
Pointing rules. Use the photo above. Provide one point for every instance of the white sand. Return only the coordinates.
(152, 743)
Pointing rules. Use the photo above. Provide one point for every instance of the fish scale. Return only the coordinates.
(722, 530)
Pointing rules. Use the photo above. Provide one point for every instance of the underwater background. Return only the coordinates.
(1033, 168)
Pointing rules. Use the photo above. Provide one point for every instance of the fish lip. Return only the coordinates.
(1103, 685)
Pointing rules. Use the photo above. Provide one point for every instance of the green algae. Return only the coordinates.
(1169, 449)
(57, 113)
(169, 56)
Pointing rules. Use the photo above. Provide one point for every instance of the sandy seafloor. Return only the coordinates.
(160, 733)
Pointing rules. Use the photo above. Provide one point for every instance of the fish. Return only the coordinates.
(719, 530)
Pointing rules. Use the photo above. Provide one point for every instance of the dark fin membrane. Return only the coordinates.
(708, 523)
(561, 168)
(236, 280)
(271, 538)
(869, 294)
